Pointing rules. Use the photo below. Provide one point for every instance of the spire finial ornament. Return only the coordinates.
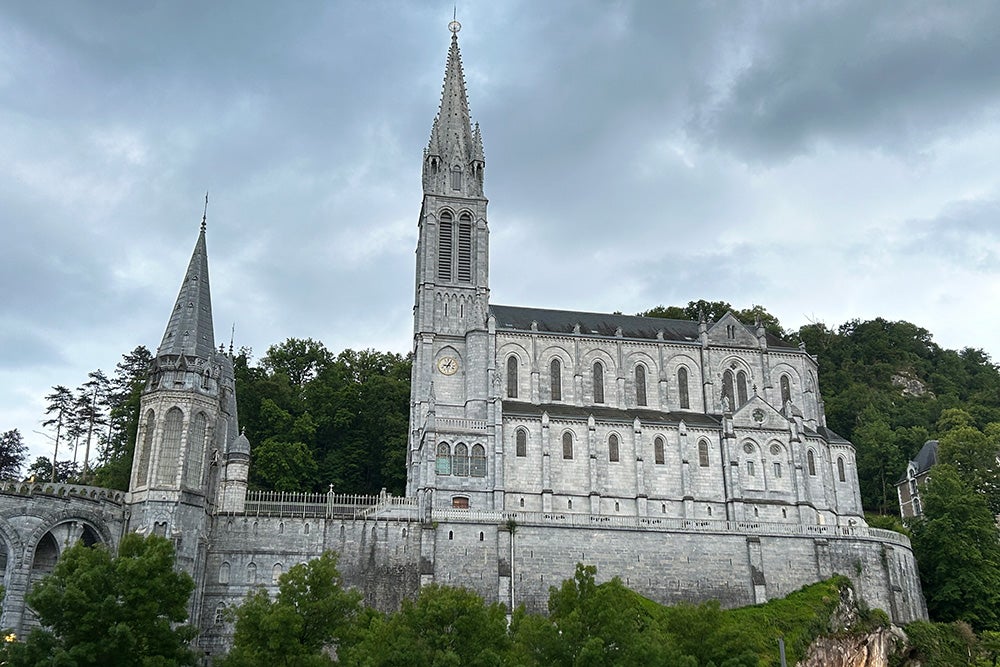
(454, 26)
(204, 216)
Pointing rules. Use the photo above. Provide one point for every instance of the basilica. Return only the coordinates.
(689, 458)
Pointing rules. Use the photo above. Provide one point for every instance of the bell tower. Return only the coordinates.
(450, 384)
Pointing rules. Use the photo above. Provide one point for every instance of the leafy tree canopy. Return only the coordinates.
(12, 453)
(111, 611)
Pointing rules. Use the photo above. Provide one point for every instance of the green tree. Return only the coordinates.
(443, 627)
(111, 611)
(117, 444)
(311, 614)
(958, 550)
(283, 466)
(972, 452)
(880, 461)
(595, 625)
(12, 452)
(60, 406)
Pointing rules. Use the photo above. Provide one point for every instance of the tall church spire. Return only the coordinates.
(453, 160)
(190, 331)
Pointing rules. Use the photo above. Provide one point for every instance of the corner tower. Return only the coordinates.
(187, 418)
(450, 384)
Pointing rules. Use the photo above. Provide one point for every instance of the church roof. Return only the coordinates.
(190, 331)
(606, 413)
(519, 318)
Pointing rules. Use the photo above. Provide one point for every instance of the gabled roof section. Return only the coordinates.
(190, 331)
(519, 318)
(730, 331)
(759, 413)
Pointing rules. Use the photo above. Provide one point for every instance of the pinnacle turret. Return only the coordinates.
(453, 160)
(189, 331)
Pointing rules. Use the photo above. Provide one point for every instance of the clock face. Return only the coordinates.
(448, 365)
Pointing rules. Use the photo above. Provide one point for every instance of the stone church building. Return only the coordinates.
(690, 458)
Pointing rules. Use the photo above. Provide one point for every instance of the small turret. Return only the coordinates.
(233, 492)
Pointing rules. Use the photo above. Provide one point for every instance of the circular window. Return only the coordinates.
(748, 448)
(775, 449)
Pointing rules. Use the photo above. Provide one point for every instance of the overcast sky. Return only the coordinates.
(828, 161)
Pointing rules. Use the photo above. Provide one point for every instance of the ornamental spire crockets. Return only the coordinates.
(454, 160)
(190, 331)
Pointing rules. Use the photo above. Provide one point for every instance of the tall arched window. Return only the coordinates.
(741, 388)
(811, 461)
(465, 248)
(521, 442)
(703, 454)
(196, 450)
(786, 390)
(443, 463)
(727, 389)
(512, 376)
(220, 613)
(252, 574)
(456, 178)
(841, 474)
(613, 453)
(446, 245)
(598, 382)
(147, 447)
(682, 388)
(567, 442)
(658, 457)
(460, 462)
(478, 461)
(555, 379)
(224, 573)
(276, 573)
(640, 384)
(170, 448)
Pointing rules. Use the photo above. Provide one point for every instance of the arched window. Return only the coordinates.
(521, 442)
(220, 613)
(786, 390)
(727, 389)
(456, 178)
(147, 446)
(276, 573)
(252, 574)
(567, 439)
(478, 461)
(170, 449)
(741, 388)
(446, 244)
(555, 379)
(598, 382)
(465, 248)
(811, 461)
(613, 453)
(658, 450)
(460, 462)
(443, 465)
(512, 376)
(196, 455)
(224, 573)
(703, 454)
(777, 470)
(751, 470)
(682, 388)
(840, 469)
(640, 384)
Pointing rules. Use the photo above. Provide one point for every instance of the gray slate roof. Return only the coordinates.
(519, 318)
(605, 413)
(190, 331)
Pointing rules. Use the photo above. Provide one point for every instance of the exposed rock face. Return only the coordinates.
(868, 650)
(847, 648)
(909, 384)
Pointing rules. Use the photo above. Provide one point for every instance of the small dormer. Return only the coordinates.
(729, 331)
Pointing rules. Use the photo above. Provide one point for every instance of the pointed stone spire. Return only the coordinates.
(189, 331)
(453, 160)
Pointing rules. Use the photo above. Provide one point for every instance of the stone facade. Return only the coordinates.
(691, 459)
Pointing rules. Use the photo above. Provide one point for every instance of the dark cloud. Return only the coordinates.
(892, 76)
